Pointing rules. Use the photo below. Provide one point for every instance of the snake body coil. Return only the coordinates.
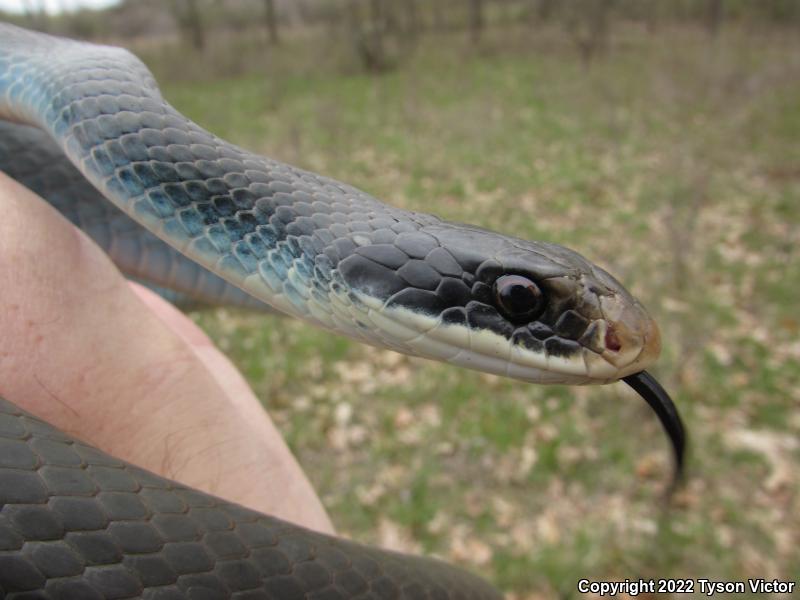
(76, 523)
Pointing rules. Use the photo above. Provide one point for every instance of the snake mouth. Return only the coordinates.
(626, 340)
(651, 391)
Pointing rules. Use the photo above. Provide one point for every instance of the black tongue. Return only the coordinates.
(658, 399)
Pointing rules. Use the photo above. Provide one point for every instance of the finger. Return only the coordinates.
(83, 351)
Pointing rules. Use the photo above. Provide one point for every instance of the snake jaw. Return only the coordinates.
(632, 341)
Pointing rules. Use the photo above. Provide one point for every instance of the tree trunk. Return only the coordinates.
(714, 16)
(476, 21)
(652, 15)
(190, 21)
(412, 19)
(36, 14)
(271, 21)
(590, 27)
(369, 35)
(438, 15)
(544, 9)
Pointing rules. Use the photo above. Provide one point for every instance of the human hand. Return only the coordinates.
(110, 362)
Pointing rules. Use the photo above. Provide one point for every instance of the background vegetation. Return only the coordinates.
(659, 138)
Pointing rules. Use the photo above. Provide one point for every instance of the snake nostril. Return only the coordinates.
(612, 341)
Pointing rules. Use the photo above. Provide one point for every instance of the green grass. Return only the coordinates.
(674, 162)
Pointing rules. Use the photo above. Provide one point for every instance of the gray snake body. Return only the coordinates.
(76, 523)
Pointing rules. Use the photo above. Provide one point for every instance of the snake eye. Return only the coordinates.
(518, 297)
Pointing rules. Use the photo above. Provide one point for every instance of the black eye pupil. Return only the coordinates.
(518, 297)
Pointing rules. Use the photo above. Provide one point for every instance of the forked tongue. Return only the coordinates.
(648, 388)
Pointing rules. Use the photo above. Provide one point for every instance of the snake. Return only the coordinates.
(86, 127)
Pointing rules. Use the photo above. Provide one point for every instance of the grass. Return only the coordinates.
(674, 162)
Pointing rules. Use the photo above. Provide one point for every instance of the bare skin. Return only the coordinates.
(113, 364)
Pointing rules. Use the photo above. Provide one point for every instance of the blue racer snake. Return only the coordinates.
(307, 246)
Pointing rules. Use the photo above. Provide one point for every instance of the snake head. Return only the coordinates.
(528, 310)
(533, 311)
